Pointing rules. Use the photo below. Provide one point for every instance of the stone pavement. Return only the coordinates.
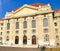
(18, 49)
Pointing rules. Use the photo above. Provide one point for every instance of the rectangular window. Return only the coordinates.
(24, 32)
(55, 23)
(17, 25)
(56, 30)
(33, 23)
(46, 37)
(1, 28)
(45, 22)
(33, 31)
(57, 37)
(1, 33)
(45, 30)
(17, 32)
(8, 32)
(8, 25)
(7, 38)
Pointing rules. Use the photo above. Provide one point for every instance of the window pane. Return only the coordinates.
(57, 37)
(25, 24)
(17, 32)
(56, 30)
(17, 25)
(1, 33)
(46, 30)
(33, 31)
(46, 38)
(1, 28)
(55, 23)
(45, 22)
(25, 31)
(7, 39)
(8, 32)
(8, 25)
(33, 23)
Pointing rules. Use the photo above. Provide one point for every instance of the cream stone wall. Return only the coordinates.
(29, 13)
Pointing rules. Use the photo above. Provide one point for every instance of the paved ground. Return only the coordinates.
(18, 49)
(26, 49)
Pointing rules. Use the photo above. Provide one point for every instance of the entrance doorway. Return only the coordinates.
(24, 39)
(16, 40)
(33, 39)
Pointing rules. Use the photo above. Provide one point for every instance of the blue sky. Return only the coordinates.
(8, 5)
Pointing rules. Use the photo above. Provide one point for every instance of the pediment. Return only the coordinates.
(25, 10)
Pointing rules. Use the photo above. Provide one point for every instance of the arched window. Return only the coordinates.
(16, 40)
(0, 40)
(46, 37)
(24, 39)
(45, 22)
(33, 39)
(17, 25)
(25, 24)
(33, 23)
(8, 25)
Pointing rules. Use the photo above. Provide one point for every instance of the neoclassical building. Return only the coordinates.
(32, 25)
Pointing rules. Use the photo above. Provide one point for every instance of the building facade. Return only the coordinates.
(31, 26)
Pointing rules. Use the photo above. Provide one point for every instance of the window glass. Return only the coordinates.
(45, 22)
(17, 32)
(55, 23)
(45, 30)
(33, 23)
(24, 32)
(17, 25)
(33, 31)
(46, 37)
(8, 25)
(56, 30)
(57, 37)
(25, 24)
(8, 32)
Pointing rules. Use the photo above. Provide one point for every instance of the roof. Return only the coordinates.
(57, 10)
(1, 19)
(16, 9)
(35, 4)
